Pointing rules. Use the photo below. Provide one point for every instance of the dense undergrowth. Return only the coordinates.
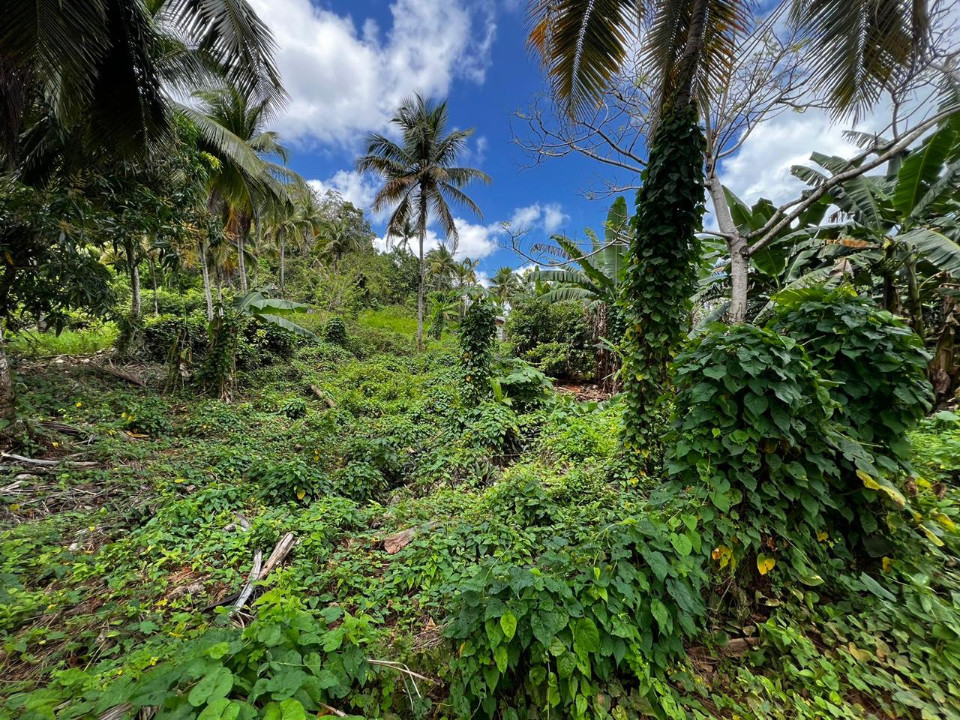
(467, 556)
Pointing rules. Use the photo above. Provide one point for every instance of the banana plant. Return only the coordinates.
(594, 276)
(902, 227)
(272, 310)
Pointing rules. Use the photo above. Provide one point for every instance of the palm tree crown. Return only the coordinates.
(420, 176)
(859, 44)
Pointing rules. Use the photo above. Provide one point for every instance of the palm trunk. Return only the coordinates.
(283, 259)
(242, 236)
(205, 271)
(153, 281)
(693, 49)
(133, 265)
(420, 284)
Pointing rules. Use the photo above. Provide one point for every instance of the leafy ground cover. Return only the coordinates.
(452, 558)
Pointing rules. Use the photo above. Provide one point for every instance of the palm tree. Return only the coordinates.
(237, 189)
(441, 267)
(465, 273)
(296, 218)
(504, 285)
(420, 176)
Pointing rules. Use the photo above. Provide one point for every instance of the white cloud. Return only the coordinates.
(548, 217)
(553, 217)
(762, 167)
(354, 187)
(475, 241)
(344, 81)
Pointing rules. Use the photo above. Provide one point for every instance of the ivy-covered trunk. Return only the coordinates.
(8, 399)
(205, 272)
(660, 278)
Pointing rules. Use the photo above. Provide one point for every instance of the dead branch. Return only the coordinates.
(46, 463)
(322, 397)
(251, 580)
(328, 708)
(116, 372)
(282, 549)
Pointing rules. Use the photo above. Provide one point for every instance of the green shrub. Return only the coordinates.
(335, 332)
(289, 481)
(562, 360)
(492, 426)
(555, 336)
(754, 435)
(293, 408)
(146, 417)
(288, 663)
(160, 333)
(877, 363)
(520, 385)
(586, 633)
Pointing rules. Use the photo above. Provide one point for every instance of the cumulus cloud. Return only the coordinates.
(352, 186)
(548, 217)
(762, 167)
(345, 80)
(475, 241)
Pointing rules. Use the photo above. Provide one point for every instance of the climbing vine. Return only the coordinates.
(476, 338)
(660, 279)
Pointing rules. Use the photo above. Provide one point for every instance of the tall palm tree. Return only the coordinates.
(441, 267)
(465, 273)
(420, 177)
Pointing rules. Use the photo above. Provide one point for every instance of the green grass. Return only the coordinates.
(397, 319)
(70, 342)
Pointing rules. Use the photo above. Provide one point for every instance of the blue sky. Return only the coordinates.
(348, 63)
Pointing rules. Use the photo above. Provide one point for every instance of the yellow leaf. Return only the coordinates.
(945, 522)
(861, 655)
(765, 563)
(723, 555)
(931, 536)
(892, 493)
(822, 536)
(887, 564)
(301, 494)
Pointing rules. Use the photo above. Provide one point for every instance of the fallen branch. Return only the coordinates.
(323, 398)
(328, 708)
(46, 463)
(282, 549)
(251, 579)
(116, 372)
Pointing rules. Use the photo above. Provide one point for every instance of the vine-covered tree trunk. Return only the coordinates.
(661, 277)
(8, 399)
(205, 272)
